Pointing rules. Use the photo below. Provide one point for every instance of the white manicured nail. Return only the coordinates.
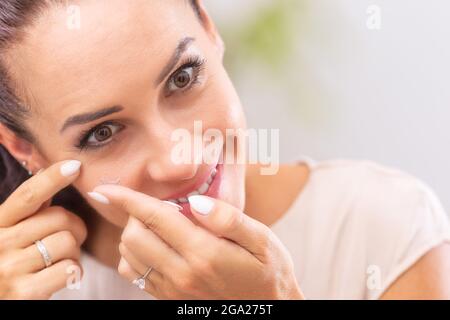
(201, 204)
(98, 197)
(70, 167)
(174, 204)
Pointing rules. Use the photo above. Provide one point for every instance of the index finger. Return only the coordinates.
(36, 191)
(165, 221)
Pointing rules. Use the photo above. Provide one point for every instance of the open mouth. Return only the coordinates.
(204, 189)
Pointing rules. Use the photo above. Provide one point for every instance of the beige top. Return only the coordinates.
(354, 228)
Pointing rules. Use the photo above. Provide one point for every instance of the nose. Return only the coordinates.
(163, 166)
(163, 169)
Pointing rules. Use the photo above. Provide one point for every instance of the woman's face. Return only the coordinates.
(112, 92)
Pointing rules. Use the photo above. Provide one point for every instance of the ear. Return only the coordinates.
(21, 149)
(210, 28)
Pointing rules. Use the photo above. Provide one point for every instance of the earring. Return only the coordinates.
(24, 164)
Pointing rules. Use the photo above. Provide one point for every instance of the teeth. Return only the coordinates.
(202, 190)
(193, 193)
(182, 200)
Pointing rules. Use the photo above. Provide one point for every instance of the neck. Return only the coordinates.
(268, 197)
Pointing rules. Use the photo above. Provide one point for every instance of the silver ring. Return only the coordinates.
(44, 253)
(140, 282)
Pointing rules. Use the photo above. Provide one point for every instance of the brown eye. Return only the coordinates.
(182, 79)
(102, 133)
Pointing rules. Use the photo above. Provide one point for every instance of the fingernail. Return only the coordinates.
(174, 204)
(98, 197)
(201, 204)
(70, 167)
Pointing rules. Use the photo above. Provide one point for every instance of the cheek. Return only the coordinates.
(113, 173)
(224, 112)
(234, 186)
(221, 102)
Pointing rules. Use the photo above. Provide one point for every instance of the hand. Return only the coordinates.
(26, 216)
(230, 256)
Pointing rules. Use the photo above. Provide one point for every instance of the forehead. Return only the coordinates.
(118, 42)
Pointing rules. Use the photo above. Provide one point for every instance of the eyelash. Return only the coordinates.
(197, 64)
(86, 134)
(194, 62)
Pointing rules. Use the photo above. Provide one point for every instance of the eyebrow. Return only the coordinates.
(84, 118)
(182, 46)
(88, 117)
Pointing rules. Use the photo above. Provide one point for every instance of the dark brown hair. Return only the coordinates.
(15, 16)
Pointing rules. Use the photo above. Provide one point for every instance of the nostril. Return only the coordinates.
(169, 172)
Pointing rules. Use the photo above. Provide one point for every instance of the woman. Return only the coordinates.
(88, 107)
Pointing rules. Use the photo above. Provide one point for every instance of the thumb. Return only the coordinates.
(224, 220)
(48, 202)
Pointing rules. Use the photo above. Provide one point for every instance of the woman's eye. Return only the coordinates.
(99, 136)
(102, 134)
(181, 79)
(189, 74)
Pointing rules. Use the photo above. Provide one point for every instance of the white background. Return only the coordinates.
(381, 95)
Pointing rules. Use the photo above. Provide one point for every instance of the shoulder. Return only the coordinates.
(385, 199)
(355, 170)
(373, 185)
(367, 188)
(388, 218)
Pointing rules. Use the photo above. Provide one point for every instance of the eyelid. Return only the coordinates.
(197, 62)
(191, 75)
(186, 58)
(82, 142)
(102, 125)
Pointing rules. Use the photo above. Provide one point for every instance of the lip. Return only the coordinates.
(212, 192)
(196, 186)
